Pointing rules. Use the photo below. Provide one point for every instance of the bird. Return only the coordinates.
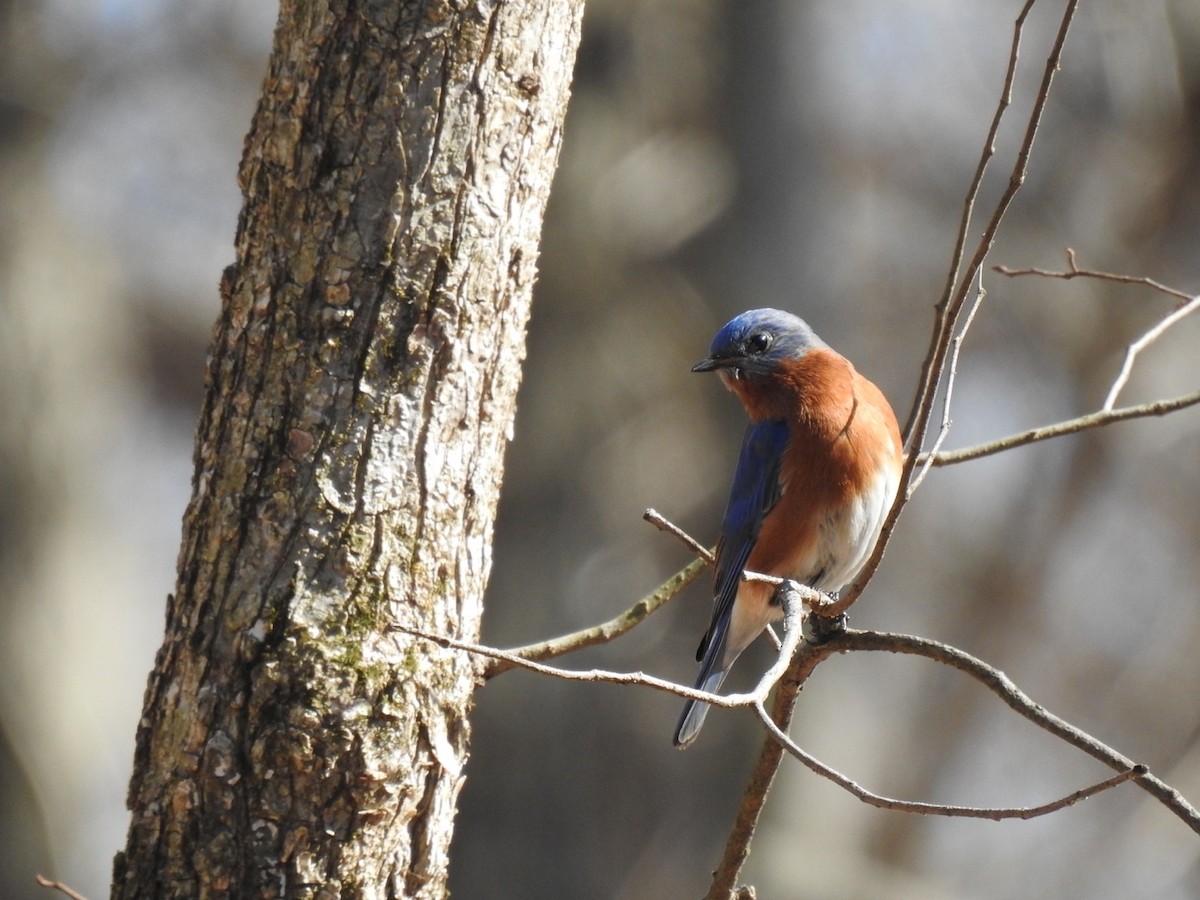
(817, 474)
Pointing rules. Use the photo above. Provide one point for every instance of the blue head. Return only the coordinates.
(757, 341)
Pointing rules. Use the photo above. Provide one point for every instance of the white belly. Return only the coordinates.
(847, 536)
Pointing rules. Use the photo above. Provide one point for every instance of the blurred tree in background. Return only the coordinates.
(717, 156)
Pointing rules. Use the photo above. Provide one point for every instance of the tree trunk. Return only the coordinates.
(361, 387)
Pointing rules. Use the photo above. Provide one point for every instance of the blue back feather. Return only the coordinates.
(755, 490)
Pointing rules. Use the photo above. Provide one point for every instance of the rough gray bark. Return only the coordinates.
(360, 389)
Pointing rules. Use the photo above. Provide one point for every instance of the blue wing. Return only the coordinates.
(755, 490)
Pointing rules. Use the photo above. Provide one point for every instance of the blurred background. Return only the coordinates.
(718, 156)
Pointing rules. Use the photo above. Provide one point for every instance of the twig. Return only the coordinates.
(1003, 687)
(655, 518)
(931, 368)
(812, 598)
(1142, 343)
(1073, 271)
(59, 886)
(638, 612)
(604, 632)
(995, 813)
(592, 675)
(944, 429)
(1188, 306)
(791, 663)
(1071, 426)
(952, 302)
(662, 523)
(790, 596)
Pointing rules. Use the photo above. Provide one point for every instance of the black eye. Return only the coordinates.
(759, 342)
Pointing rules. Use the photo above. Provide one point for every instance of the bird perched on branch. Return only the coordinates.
(817, 474)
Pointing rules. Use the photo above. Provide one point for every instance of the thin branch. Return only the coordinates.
(604, 632)
(791, 597)
(1071, 426)
(944, 429)
(1073, 271)
(1188, 306)
(59, 886)
(662, 523)
(639, 611)
(659, 521)
(1142, 343)
(995, 813)
(1003, 687)
(602, 676)
(931, 371)
(813, 598)
(950, 308)
(796, 661)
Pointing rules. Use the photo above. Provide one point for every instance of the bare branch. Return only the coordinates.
(1188, 306)
(59, 886)
(659, 521)
(944, 430)
(950, 308)
(637, 613)
(1073, 271)
(1071, 426)
(995, 813)
(593, 675)
(931, 369)
(813, 598)
(791, 597)
(843, 639)
(604, 632)
(1003, 687)
(1142, 343)
(795, 662)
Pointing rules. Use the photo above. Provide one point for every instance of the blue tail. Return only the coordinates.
(710, 679)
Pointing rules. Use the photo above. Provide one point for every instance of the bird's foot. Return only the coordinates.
(818, 629)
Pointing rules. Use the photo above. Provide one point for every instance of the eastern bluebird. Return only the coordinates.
(816, 477)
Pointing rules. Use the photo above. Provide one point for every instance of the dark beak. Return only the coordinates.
(712, 364)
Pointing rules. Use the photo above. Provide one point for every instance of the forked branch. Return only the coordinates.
(1074, 271)
(795, 658)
